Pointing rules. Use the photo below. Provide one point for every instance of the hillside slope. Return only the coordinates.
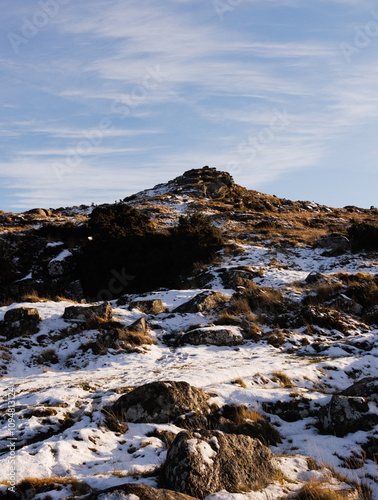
(277, 336)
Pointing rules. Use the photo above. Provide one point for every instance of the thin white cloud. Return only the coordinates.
(36, 183)
(225, 80)
(71, 133)
(97, 151)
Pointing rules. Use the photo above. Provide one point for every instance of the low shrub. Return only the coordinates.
(363, 236)
(128, 256)
(239, 305)
(196, 239)
(71, 233)
(119, 221)
(365, 294)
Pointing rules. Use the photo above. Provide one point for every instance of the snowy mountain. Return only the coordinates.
(248, 374)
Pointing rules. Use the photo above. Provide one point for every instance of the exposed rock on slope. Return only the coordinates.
(160, 402)
(20, 321)
(213, 335)
(149, 306)
(204, 462)
(335, 242)
(239, 277)
(85, 313)
(134, 491)
(203, 302)
(350, 410)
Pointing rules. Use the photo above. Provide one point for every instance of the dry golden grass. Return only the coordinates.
(59, 298)
(120, 339)
(276, 338)
(6, 302)
(315, 490)
(200, 266)
(14, 229)
(33, 296)
(251, 331)
(296, 226)
(239, 381)
(355, 279)
(323, 317)
(238, 306)
(134, 339)
(241, 414)
(323, 293)
(278, 265)
(266, 302)
(239, 314)
(282, 379)
(334, 485)
(249, 316)
(363, 289)
(233, 249)
(95, 322)
(115, 422)
(29, 486)
(226, 318)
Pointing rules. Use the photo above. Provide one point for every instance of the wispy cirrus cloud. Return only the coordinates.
(218, 85)
(72, 133)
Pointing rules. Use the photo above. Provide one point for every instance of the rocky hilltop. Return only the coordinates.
(195, 341)
(203, 182)
(40, 249)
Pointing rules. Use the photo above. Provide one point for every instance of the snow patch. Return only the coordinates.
(63, 255)
(54, 244)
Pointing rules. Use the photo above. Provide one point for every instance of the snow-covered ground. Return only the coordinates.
(69, 437)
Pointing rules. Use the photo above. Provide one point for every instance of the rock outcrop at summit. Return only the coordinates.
(206, 182)
(203, 182)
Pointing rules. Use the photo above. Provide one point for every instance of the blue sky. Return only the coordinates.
(100, 99)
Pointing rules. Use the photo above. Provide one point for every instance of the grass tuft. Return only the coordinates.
(239, 381)
(282, 379)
